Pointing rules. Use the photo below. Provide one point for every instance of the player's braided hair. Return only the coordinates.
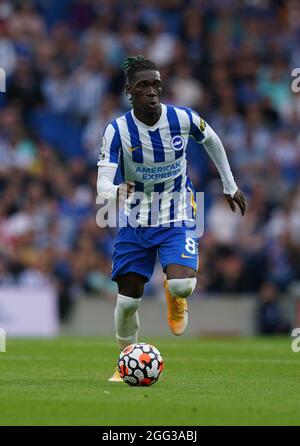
(132, 65)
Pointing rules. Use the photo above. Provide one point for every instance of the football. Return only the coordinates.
(140, 364)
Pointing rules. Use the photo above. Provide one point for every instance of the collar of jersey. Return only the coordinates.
(151, 127)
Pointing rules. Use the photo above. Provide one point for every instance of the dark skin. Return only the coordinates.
(145, 89)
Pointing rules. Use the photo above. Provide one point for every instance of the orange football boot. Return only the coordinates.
(116, 378)
(177, 312)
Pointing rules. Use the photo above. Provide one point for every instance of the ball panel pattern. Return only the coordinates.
(140, 364)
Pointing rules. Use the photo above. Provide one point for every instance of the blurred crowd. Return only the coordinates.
(229, 60)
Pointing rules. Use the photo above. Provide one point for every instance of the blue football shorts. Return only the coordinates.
(135, 249)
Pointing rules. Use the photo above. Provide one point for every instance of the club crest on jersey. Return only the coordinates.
(177, 142)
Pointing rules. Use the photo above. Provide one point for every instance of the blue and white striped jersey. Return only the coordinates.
(154, 158)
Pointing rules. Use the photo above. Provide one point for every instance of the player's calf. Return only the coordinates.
(126, 324)
(126, 320)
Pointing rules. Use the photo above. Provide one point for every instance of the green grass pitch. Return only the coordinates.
(205, 382)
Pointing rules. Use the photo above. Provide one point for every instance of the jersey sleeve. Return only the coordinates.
(204, 134)
(200, 130)
(111, 146)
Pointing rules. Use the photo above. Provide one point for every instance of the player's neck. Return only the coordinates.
(148, 118)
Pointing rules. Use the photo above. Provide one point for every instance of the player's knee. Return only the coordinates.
(182, 287)
(132, 291)
(130, 285)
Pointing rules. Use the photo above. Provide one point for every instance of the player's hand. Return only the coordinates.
(130, 187)
(239, 199)
(125, 190)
